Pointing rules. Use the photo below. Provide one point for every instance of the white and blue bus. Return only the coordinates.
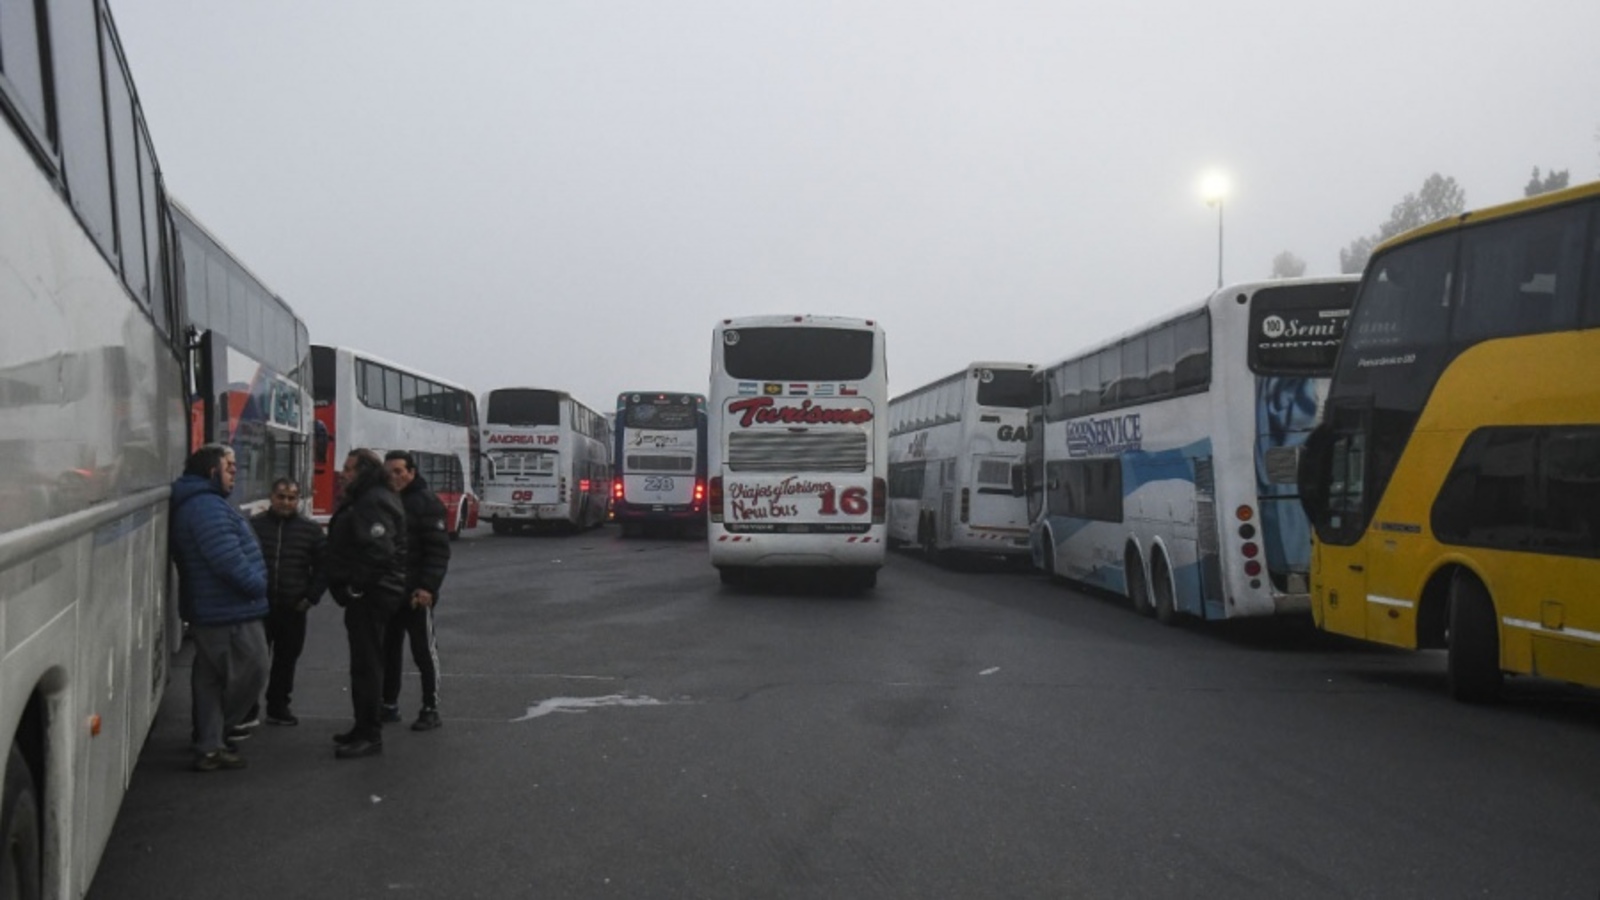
(1161, 464)
(91, 436)
(659, 462)
(952, 447)
(798, 456)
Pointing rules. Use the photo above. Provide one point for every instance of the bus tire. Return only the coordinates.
(1138, 585)
(22, 865)
(1048, 558)
(930, 540)
(1161, 591)
(860, 581)
(732, 576)
(1474, 654)
(499, 527)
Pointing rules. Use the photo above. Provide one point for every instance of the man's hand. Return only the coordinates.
(302, 605)
(421, 598)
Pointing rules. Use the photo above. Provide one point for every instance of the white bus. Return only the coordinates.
(547, 460)
(952, 447)
(1161, 465)
(659, 476)
(250, 367)
(798, 446)
(91, 436)
(365, 401)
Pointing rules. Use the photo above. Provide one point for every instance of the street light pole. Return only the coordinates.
(1214, 187)
(1219, 243)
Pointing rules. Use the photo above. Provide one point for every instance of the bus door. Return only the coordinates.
(1337, 457)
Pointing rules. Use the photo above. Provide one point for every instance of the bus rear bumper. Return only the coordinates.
(796, 551)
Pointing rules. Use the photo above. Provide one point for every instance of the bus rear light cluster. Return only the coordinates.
(714, 494)
(1249, 549)
(880, 501)
(563, 490)
(1252, 568)
(583, 486)
(966, 505)
(616, 489)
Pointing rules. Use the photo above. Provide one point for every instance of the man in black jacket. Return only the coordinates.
(365, 566)
(292, 545)
(427, 559)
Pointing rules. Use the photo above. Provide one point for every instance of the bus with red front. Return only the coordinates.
(364, 401)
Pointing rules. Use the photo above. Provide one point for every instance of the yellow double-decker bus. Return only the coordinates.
(1454, 483)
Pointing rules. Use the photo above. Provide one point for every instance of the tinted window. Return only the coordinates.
(19, 62)
(1522, 276)
(665, 415)
(1007, 388)
(524, 407)
(1191, 341)
(1086, 489)
(125, 172)
(80, 104)
(1395, 343)
(1297, 329)
(322, 376)
(801, 354)
(1525, 489)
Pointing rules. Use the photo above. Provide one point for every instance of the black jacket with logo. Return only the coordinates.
(427, 538)
(367, 547)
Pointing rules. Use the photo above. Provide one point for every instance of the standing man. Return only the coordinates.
(427, 559)
(222, 594)
(293, 546)
(365, 566)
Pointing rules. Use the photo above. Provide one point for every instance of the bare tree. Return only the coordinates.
(1554, 181)
(1439, 198)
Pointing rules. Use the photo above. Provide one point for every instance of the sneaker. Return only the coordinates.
(427, 720)
(236, 733)
(218, 759)
(358, 748)
(347, 737)
(389, 713)
(251, 718)
(282, 717)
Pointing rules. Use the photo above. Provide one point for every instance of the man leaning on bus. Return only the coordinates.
(222, 594)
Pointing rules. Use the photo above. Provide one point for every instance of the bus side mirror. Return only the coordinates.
(1312, 474)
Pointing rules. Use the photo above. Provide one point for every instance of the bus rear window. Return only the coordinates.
(663, 416)
(798, 354)
(1007, 388)
(1297, 329)
(524, 408)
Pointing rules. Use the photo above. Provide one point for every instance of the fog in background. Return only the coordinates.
(569, 194)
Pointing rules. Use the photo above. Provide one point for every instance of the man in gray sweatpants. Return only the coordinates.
(222, 594)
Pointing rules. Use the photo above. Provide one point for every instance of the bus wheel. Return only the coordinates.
(1165, 608)
(930, 540)
(1138, 590)
(1048, 560)
(500, 527)
(860, 581)
(1475, 675)
(19, 822)
(630, 529)
(733, 576)
(461, 522)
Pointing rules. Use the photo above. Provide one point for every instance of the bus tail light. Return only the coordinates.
(1244, 513)
(563, 490)
(1249, 550)
(699, 495)
(715, 498)
(583, 486)
(1252, 568)
(616, 489)
(880, 501)
(966, 505)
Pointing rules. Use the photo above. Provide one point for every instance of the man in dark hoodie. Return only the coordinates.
(365, 565)
(222, 594)
(293, 546)
(427, 558)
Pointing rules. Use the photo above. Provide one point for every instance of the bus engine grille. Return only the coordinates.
(784, 451)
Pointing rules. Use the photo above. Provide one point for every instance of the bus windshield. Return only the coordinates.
(799, 354)
(661, 415)
(524, 407)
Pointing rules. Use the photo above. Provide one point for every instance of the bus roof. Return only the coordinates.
(399, 367)
(1489, 213)
(1227, 290)
(770, 321)
(189, 219)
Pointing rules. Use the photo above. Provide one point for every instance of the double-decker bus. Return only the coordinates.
(250, 366)
(546, 461)
(1454, 485)
(659, 464)
(952, 447)
(1161, 465)
(364, 401)
(798, 446)
(91, 436)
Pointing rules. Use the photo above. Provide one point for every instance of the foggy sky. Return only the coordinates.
(569, 194)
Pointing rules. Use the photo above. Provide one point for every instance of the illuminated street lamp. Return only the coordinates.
(1213, 188)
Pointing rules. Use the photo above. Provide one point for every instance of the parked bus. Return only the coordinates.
(952, 447)
(547, 460)
(250, 367)
(1455, 484)
(659, 461)
(798, 446)
(364, 401)
(1161, 465)
(91, 436)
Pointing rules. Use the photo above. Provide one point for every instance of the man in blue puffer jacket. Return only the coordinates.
(222, 594)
